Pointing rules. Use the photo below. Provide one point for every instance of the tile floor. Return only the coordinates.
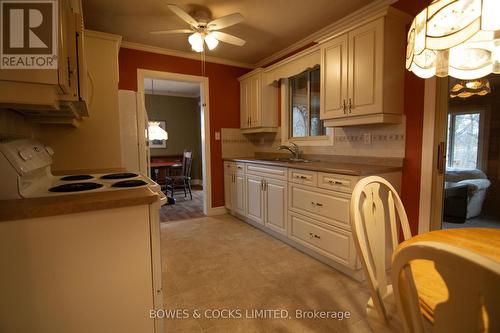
(223, 263)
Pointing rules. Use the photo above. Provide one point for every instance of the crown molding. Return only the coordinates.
(103, 35)
(182, 54)
(360, 16)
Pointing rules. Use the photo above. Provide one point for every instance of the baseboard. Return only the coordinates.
(217, 211)
(196, 182)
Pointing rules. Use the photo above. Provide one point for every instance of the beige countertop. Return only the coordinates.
(352, 169)
(18, 209)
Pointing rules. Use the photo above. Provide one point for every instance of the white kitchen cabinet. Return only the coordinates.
(238, 194)
(255, 198)
(228, 181)
(258, 103)
(275, 204)
(361, 74)
(55, 96)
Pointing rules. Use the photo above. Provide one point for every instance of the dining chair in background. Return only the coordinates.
(182, 181)
(472, 280)
(376, 212)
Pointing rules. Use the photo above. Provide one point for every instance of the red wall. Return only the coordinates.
(224, 97)
(414, 110)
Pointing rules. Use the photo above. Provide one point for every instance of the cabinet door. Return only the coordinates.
(275, 205)
(334, 78)
(228, 184)
(365, 69)
(255, 101)
(244, 103)
(238, 195)
(255, 199)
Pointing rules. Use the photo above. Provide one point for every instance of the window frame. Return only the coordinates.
(482, 155)
(319, 140)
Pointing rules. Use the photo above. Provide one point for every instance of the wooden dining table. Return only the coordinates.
(168, 165)
(430, 286)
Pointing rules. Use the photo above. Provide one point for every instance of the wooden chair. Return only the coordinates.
(183, 181)
(472, 280)
(371, 222)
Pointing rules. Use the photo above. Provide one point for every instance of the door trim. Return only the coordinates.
(205, 115)
(434, 132)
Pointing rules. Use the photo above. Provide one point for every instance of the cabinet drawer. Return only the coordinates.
(333, 243)
(331, 181)
(326, 206)
(267, 171)
(305, 177)
(228, 167)
(239, 168)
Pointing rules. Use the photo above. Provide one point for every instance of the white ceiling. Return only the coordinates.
(269, 26)
(171, 88)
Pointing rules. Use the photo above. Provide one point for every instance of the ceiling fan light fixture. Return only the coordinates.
(196, 41)
(211, 41)
(459, 38)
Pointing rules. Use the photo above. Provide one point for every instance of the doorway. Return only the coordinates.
(176, 106)
(460, 157)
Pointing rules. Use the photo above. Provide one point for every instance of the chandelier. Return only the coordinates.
(468, 88)
(459, 38)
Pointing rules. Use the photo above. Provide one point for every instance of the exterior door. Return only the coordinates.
(276, 204)
(255, 199)
(365, 69)
(334, 78)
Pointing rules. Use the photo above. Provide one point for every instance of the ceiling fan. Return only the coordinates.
(202, 31)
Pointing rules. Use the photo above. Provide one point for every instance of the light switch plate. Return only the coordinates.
(217, 136)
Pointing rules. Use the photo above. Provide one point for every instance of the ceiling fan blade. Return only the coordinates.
(175, 31)
(227, 38)
(225, 21)
(183, 15)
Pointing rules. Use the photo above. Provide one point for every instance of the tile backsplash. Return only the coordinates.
(368, 140)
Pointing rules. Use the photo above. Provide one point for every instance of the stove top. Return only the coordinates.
(120, 175)
(75, 187)
(129, 183)
(77, 177)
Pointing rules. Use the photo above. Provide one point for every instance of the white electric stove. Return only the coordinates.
(25, 172)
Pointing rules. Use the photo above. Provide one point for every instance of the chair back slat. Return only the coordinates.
(373, 219)
(187, 160)
(472, 280)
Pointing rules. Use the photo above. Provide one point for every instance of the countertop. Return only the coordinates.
(352, 169)
(18, 209)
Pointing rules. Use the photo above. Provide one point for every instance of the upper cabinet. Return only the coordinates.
(362, 74)
(52, 95)
(258, 103)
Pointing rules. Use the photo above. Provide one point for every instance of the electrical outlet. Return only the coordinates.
(367, 138)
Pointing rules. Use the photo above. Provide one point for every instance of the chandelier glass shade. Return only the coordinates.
(197, 39)
(459, 38)
(468, 88)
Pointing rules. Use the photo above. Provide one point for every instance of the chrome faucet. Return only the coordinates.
(294, 149)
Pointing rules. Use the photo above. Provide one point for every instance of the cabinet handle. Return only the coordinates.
(334, 182)
(316, 204)
(343, 106)
(262, 185)
(350, 105)
(312, 235)
(265, 185)
(300, 177)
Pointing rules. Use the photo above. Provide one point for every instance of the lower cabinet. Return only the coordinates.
(255, 198)
(307, 209)
(275, 194)
(228, 184)
(238, 194)
(329, 241)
